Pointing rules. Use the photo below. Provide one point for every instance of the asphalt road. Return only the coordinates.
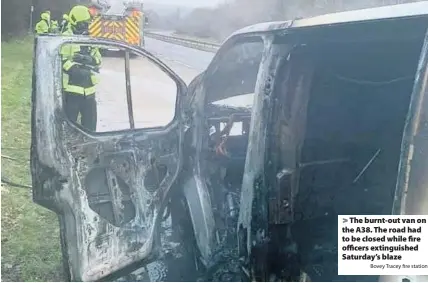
(153, 92)
(189, 57)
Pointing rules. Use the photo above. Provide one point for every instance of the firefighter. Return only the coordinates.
(44, 25)
(80, 66)
(54, 27)
(64, 23)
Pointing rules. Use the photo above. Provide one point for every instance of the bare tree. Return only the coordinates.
(16, 14)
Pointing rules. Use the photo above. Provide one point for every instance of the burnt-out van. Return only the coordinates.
(292, 124)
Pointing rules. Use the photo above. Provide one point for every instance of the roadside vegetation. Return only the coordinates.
(16, 14)
(30, 249)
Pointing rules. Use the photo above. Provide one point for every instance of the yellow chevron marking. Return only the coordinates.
(133, 30)
(127, 30)
(95, 27)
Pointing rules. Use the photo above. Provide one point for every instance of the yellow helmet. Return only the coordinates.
(46, 15)
(79, 14)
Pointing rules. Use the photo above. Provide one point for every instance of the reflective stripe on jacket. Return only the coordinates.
(68, 51)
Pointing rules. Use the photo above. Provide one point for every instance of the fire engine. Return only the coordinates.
(123, 21)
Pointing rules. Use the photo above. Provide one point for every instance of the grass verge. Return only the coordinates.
(30, 249)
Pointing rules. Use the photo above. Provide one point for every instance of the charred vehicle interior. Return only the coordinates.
(223, 141)
(228, 115)
(340, 100)
(341, 103)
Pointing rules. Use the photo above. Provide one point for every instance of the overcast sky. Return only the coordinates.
(188, 3)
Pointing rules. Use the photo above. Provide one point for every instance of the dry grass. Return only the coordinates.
(30, 234)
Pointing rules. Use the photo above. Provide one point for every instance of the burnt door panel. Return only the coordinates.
(411, 196)
(289, 119)
(108, 189)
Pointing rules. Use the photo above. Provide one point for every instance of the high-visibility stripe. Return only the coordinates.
(80, 90)
(96, 21)
(95, 27)
(67, 65)
(133, 30)
(75, 89)
(130, 26)
(90, 90)
(119, 36)
(95, 80)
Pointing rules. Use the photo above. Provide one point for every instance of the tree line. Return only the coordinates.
(16, 14)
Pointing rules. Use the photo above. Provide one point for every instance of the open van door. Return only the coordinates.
(108, 187)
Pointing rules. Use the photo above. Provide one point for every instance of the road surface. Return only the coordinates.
(192, 58)
(153, 92)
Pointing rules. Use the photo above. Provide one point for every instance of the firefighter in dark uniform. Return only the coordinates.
(80, 68)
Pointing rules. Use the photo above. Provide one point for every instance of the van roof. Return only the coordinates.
(418, 9)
